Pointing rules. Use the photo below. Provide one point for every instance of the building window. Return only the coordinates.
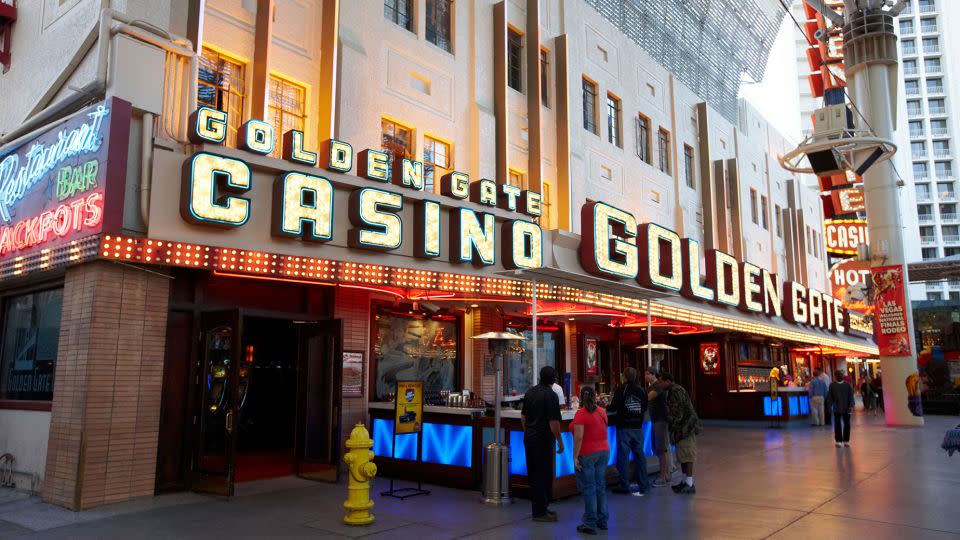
(764, 208)
(688, 170)
(753, 206)
(934, 296)
(778, 220)
(643, 139)
(396, 140)
(436, 162)
(439, 23)
(928, 253)
(546, 205)
(545, 77)
(399, 12)
(613, 120)
(220, 82)
(516, 178)
(590, 106)
(663, 150)
(31, 334)
(286, 110)
(515, 59)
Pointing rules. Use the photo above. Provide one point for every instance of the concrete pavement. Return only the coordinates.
(752, 483)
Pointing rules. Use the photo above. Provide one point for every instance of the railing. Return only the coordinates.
(919, 153)
(928, 240)
(913, 91)
(909, 51)
(931, 49)
(934, 285)
(951, 239)
(954, 282)
(917, 134)
(938, 110)
(925, 218)
(924, 196)
(907, 30)
(947, 195)
(941, 152)
(949, 216)
(938, 89)
(933, 70)
(914, 113)
(939, 132)
(930, 8)
(929, 29)
(911, 71)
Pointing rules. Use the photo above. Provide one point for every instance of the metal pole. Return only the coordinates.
(649, 337)
(535, 341)
(871, 56)
(498, 396)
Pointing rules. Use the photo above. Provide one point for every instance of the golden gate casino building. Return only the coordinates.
(226, 234)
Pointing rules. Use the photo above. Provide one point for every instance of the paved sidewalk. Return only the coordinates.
(752, 483)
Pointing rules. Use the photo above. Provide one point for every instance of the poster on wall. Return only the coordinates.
(891, 323)
(710, 358)
(590, 346)
(352, 373)
(408, 416)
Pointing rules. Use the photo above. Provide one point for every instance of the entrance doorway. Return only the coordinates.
(269, 400)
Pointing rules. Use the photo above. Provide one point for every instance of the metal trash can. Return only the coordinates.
(496, 474)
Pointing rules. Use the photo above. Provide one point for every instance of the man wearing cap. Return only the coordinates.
(540, 419)
(657, 399)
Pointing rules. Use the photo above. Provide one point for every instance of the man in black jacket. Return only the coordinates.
(840, 396)
(630, 404)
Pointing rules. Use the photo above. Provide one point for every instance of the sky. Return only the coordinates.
(777, 96)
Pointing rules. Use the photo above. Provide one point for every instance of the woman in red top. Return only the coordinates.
(591, 453)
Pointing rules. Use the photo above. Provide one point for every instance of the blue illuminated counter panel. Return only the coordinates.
(452, 448)
(791, 403)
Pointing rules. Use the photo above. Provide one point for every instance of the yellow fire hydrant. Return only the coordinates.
(362, 470)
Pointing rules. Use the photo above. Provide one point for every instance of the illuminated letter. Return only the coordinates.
(256, 136)
(303, 207)
(455, 184)
(339, 155)
(484, 192)
(373, 165)
(427, 230)
(815, 301)
(771, 294)
(751, 286)
(795, 302)
(469, 240)
(205, 177)
(209, 125)
(373, 227)
(408, 173)
(293, 149)
(660, 250)
(723, 276)
(840, 316)
(508, 197)
(522, 244)
(530, 203)
(690, 252)
(604, 246)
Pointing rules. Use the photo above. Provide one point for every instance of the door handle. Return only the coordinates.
(229, 422)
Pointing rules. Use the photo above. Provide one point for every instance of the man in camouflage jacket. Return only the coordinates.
(684, 426)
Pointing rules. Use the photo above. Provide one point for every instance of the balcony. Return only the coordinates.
(929, 29)
(911, 72)
(938, 110)
(924, 197)
(914, 113)
(928, 8)
(951, 239)
(928, 240)
(938, 132)
(947, 196)
(954, 283)
(933, 70)
(917, 134)
(919, 154)
(948, 217)
(913, 91)
(935, 89)
(907, 30)
(934, 285)
(931, 49)
(925, 218)
(941, 152)
(909, 51)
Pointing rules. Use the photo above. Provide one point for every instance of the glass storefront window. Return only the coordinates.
(31, 334)
(415, 348)
(519, 371)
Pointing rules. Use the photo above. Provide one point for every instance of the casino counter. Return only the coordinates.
(453, 440)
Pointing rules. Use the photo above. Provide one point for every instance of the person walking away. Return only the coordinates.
(591, 453)
(825, 377)
(657, 399)
(818, 396)
(630, 405)
(684, 425)
(866, 394)
(840, 397)
(540, 418)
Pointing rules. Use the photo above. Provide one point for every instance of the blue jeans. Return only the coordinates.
(592, 481)
(630, 441)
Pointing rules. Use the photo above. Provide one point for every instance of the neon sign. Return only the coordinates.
(16, 179)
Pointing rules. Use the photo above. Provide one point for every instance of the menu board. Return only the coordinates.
(408, 416)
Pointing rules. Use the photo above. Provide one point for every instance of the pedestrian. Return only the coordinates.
(657, 400)
(840, 397)
(591, 453)
(629, 404)
(825, 377)
(866, 393)
(540, 419)
(818, 395)
(877, 385)
(558, 390)
(684, 425)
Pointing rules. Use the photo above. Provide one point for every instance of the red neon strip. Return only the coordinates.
(268, 278)
(375, 289)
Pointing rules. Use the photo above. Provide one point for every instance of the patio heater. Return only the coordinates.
(496, 455)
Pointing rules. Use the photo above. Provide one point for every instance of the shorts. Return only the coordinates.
(687, 449)
(661, 438)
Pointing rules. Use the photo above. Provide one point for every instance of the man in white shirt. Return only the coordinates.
(558, 390)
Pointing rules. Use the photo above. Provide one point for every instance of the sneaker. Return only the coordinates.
(839, 444)
(659, 483)
(546, 518)
(677, 487)
(586, 530)
(846, 444)
(687, 490)
(635, 494)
